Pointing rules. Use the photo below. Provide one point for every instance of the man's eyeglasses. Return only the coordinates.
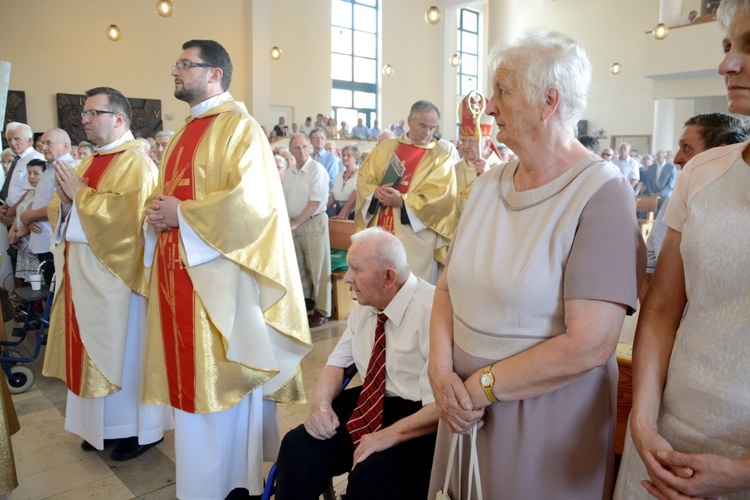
(607, 154)
(181, 66)
(93, 113)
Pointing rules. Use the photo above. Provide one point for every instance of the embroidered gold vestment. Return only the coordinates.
(95, 280)
(246, 326)
(431, 194)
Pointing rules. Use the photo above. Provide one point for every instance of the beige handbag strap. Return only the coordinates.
(474, 465)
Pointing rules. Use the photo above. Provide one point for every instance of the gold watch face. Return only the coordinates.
(486, 380)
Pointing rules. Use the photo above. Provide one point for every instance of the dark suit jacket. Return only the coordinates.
(664, 184)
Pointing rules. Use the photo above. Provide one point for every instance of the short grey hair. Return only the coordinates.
(61, 135)
(421, 106)
(164, 133)
(354, 150)
(385, 135)
(730, 10)
(388, 251)
(316, 130)
(7, 151)
(299, 134)
(542, 59)
(281, 161)
(25, 129)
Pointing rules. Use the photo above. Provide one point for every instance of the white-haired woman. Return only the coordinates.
(690, 423)
(545, 264)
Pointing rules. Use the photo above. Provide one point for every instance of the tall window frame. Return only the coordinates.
(468, 44)
(355, 59)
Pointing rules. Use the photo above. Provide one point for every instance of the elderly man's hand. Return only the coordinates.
(34, 227)
(322, 421)
(373, 443)
(454, 404)
(388, 196)
(4, 217)
(162, 213)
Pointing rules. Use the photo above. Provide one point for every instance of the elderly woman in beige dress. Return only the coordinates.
(690, 424)
(545, 265)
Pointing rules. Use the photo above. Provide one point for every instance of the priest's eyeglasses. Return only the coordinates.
(93, 113)
(181, 66)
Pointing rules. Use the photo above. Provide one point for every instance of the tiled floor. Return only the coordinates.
(51, 464)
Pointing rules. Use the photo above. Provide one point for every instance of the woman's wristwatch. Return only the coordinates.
(488, 380)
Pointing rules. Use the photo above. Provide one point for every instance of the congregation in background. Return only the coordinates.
(492, 278)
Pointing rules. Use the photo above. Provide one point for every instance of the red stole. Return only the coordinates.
(410, 156)
(176, 294)
(74, 345)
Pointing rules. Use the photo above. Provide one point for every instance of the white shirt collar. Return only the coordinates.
(126, 137)
(396, 308)
(28, 151)
(209, 103)
(67, 158)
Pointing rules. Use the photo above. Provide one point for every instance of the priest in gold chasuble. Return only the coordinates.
(95, 339)
(227, 326)
(421, 209)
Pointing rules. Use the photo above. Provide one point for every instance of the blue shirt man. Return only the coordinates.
(332, 163)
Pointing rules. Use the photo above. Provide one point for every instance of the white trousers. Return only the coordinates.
(121, 414)
(218, 452)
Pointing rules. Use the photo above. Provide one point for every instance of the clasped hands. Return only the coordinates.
(67, 182)
(388, 196)
(454, 404)
(675, 475)
(162, 213)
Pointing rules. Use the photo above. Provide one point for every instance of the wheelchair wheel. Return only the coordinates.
(21, 380)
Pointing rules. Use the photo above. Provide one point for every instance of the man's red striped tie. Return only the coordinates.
(368, 415)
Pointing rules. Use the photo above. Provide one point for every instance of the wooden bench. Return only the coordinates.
(648, 204)
(340, 232)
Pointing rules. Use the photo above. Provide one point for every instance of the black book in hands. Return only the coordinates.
(393, 174)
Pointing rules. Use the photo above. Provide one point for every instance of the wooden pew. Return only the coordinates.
(648, 204)
(340, 232)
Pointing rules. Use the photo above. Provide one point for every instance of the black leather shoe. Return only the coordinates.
(86, 446)
(316, 319)
(128, 449)
(242, 494)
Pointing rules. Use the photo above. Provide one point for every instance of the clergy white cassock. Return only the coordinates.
(98, 317)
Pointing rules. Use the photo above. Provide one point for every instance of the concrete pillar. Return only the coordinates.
(502, 22)
(670, 12)
(664, 125)
(258, 34)
(448, 87)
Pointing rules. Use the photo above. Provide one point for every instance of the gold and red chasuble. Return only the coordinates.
(410, 156)
(176, 293)
(75, 348)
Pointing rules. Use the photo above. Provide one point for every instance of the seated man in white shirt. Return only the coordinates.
(390, 458)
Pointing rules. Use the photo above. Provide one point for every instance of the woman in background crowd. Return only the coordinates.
(331, 131)
(19, 235)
